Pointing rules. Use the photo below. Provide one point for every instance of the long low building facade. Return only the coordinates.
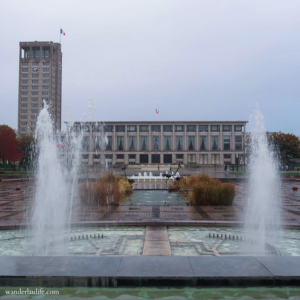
(144, 143)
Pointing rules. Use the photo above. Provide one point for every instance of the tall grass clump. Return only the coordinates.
(204, 190)
(106, 190)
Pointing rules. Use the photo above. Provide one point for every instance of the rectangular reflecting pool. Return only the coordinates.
(166, 293)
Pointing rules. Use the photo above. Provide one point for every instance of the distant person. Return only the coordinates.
(158, 167)
(298, 170)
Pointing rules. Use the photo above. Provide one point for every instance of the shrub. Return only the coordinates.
(106, 190)
(204, 190)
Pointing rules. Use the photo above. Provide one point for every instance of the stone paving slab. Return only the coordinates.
(149, 271)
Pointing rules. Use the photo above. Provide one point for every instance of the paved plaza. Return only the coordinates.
(16, 208)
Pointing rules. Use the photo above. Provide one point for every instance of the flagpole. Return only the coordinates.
(60, 36)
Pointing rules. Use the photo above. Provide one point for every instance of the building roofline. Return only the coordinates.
(107, 122)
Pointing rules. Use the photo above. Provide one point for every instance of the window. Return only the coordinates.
(46, 75)
(34, 93)
(167, 158)
(108, 156)
(35, 81)
(35, 53)
(203, 128)
(120, 156)
(24, 99)
(45, 87)
(108, 143)
(214, 142)
(24, 81)
(25, 64)
(131, 128)
(23, 123)
(226, 142)
(46, 64)
(46, 69)
(179, 128)
(33, 123)
(144, 143)
(23, 129)
(144, 158)
(24, 87)
(155, 143)
(46, 54)
(35, 87)
(191, 128)
(227, 127)
(144, 128)
(34, 111)
(24, 111)
(24, 93)
(120, 128)
(168, 128)
(120, 143)
(238, 142)
(46, 99)
(24, 69)
(85, 143)
(179, 143)
(96, 156)
(35, 75)
(97, 143)
(34, 105)
(84, 156)
(85, 128)
(132, 143)
(191, 142)
(96, 128)
(227, 156)
(46, 80)
(24, 76)
(215, 128)
(167, 143)
(238, 128)
(23, 117)
(155, 128)
(179, 156)
(35, 64)
(155, 158)
(131, 156)
(202, 142)
(33, 117)
(45, 93)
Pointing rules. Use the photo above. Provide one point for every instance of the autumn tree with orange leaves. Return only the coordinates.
(8, 145)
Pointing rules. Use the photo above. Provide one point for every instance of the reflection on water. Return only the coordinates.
(126, 241)
(160, 293)
(195, 241)
(162, 197)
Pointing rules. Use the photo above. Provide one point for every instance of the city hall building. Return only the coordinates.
(145, 143)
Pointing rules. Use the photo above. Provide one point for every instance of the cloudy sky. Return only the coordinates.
(191, 60)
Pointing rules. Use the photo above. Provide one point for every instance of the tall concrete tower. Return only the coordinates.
(40, 78)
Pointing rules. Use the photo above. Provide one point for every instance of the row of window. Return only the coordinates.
(35, 81)
(34, 93)
(25, 111)
(26, 64)
(27, 69)
(35, 52)
(167, 143)
(25, 123)
(157, 128)
(34, 87)
(25, 99)
(133, 156)
(32, 105)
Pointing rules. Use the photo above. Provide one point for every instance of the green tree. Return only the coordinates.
(287, 145)
(27, 148)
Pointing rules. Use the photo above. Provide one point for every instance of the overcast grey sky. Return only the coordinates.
(191, 60)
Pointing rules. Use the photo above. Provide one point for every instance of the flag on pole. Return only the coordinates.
(156, 144)
(62, 32)
(156, 111)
